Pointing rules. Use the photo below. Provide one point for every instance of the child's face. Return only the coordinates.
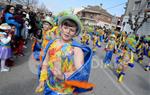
(13, 29)
(46, 26)
(68, 32)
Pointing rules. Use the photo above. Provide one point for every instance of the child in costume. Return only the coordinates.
(147, 67)
(47, 35)
(125, 59)
(36, 46)
(59, 73)
(140, 52)
(5, 48)
(122, 39)
(110, 48)
(96, 42)
(85, 38)
(10, 61)
(101, 34)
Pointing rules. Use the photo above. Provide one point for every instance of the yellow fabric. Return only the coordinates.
(132, 58)
(43, 75)
(149, 53)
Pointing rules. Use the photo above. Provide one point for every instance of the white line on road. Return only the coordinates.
(118, 86)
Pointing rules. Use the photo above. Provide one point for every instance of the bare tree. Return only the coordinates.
(135, 22)
(6, 1)
(26, 2)
(43, 8)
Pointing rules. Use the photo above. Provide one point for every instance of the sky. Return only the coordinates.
(114, 7)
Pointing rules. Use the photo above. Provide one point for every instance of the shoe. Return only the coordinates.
(147, 68)
(24, 46)
(5, 70)
(121, 77)
(21, 54)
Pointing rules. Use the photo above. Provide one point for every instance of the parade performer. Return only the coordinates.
(5, 48)
(147, 67)
(140, 52)
(96, 42)
(37, 45)
(84, 39)
(101, 34)
(110, 48)
(122, 39)
(125, 59)
(66, 64)
(47, 35)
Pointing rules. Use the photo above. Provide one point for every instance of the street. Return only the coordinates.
(21, 80)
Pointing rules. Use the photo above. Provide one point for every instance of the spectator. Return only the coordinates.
(9, 18)
(5, 49)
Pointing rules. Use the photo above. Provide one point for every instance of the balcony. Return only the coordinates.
(147, 11)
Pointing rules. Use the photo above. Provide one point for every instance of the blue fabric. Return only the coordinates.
(117, 59)
(145, 51)
(9, 19)
(108, 57)
(97, 44)
(131, 65)
(101, 38)
(36, 51)
(82, 74)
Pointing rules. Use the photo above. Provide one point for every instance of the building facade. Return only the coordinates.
(116, 22)
(137, 8)
(95, 15)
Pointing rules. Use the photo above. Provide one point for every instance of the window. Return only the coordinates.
(148, 5)
(83, 14)
(91, 16)
(137, 5)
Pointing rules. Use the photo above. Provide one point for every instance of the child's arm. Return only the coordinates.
(6, 40)
(43, 75)
(78, 60)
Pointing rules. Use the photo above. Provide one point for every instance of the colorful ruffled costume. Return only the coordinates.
(63, 55)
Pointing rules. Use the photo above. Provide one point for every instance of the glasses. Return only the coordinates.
(12, 9)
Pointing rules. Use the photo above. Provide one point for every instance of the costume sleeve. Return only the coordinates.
(6, 40)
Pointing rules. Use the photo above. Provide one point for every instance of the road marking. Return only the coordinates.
(114, 82)
(117, 85)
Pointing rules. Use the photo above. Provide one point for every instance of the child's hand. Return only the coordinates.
(10, 35)
(40, 87)
(58, 74)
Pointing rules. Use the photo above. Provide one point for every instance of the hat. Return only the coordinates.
(49, 20)
(113, 36)
(5, 26)
(75, 19)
